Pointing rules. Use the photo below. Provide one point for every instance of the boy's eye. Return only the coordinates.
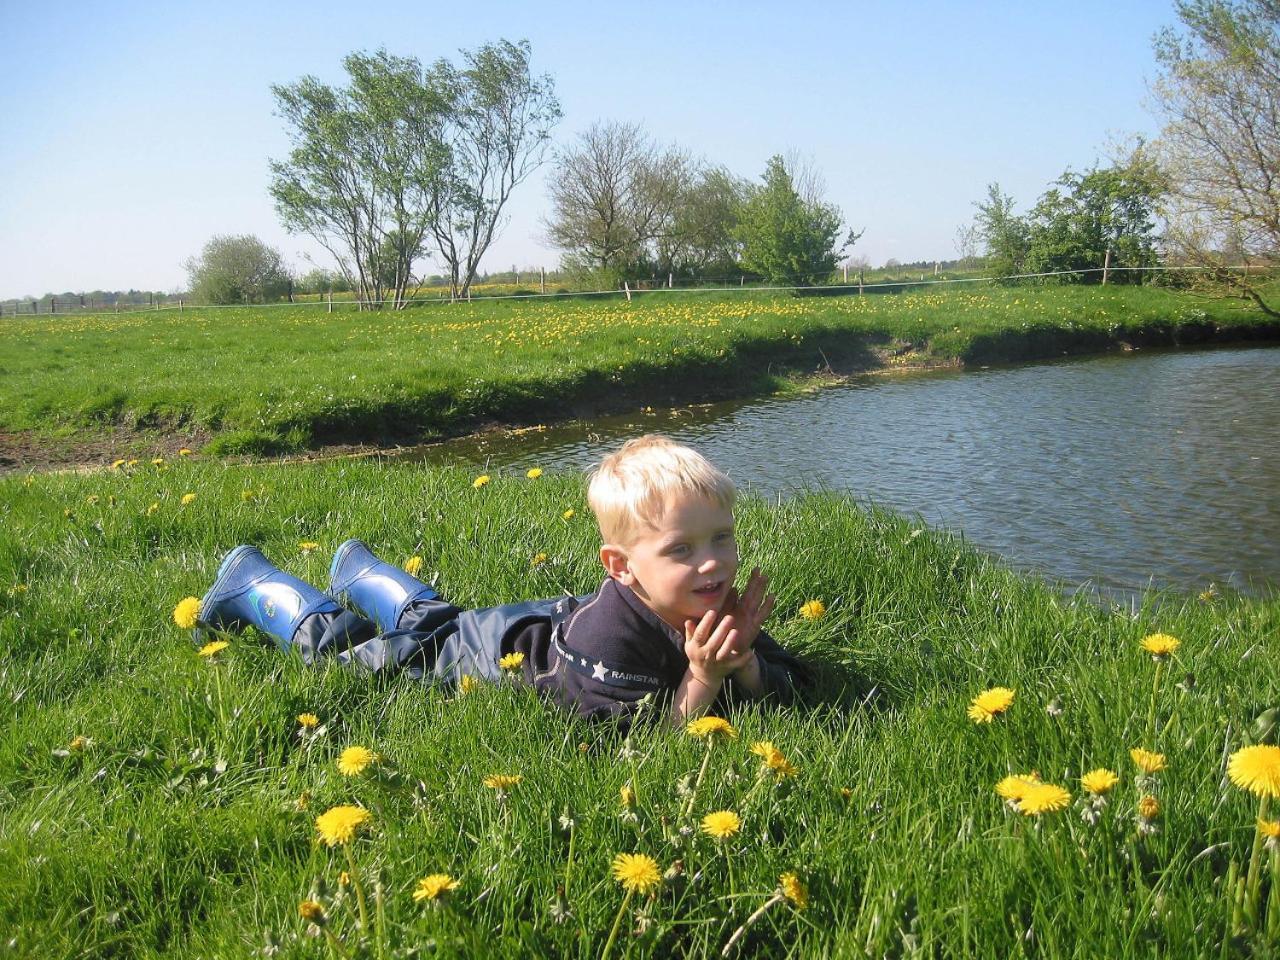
(724, 535)
(678, 550)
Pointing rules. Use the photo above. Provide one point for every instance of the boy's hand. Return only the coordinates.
(722, 642)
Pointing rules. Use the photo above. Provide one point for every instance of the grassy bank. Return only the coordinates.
(183, 823)
(271, 380)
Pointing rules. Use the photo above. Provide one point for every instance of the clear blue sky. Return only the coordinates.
(132, 132)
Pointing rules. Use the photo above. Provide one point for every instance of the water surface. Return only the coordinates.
(1124, 471)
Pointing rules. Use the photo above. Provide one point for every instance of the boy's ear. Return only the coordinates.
(616, 563)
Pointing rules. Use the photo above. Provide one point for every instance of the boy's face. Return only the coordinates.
(683, 566)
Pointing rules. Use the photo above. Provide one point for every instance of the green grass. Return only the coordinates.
(266, 380)
(176, 832)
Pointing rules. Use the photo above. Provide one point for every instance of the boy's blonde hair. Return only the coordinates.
(629, 489)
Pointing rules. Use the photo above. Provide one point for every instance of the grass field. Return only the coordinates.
(156, 803)
(268, 380)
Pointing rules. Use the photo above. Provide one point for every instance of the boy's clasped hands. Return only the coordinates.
(721, 643)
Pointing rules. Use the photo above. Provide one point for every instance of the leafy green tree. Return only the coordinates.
(366, 163)
(785, 237)
(1219, 95)
(497, 130)
(1084, 215)
(1004, 235)
(702, 241)
(238, 269)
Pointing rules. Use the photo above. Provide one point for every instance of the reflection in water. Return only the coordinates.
(1158, 468)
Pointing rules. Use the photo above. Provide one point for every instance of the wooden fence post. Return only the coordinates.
(859, 283)
(330, 301)
(542, 278)
(1106, 267)
(627, 289)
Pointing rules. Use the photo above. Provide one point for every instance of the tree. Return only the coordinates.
(496, 132)
(1076, 222)
(702, 241)
(1219, 95)
(405, 157)
(366, 163)
(786, 238)
(615, 195)
(238, 269)
(1003, 234)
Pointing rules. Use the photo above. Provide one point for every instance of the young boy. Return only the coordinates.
(667, 620)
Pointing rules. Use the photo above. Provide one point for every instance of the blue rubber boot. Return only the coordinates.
(249, 590)
(379, 590)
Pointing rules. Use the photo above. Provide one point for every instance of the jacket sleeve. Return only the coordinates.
(782, 674)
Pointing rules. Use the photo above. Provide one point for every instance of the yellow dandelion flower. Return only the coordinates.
(989, 703)
(534, 473)
(1148, 807)
(1269, 829)
(1256, 769)
(311, 911)
(132, 463)
(308, 720)
(413, 565)
(773, 759)
(91, 499)
(1041, 798)
(354, 761)
(722, 824)
(247, 495)
(636, 872)
(339, 824)
(307, 546)
(1147, 761)
(117, 464)
(1099, 781)
(1015, 786)
(434, 886)
(568, 514)
(512, 661)
(213, 648)
(78, 743)
(480, 481)
(794, 890)
(187, 612)
(344, 879)
(707, 727)
(188, 498)
(1209, 594)
(151, 510)
(502, 781)
(538, 560)
(813, 610)
(184, 452)
(468, 683)
(1160, 645)
(158, 462)
(627, 796)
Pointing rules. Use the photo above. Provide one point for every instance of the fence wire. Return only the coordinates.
(630, 292)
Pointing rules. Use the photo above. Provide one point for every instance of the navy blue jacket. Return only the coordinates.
(599, 656)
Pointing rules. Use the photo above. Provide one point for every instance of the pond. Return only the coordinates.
(1123, 471)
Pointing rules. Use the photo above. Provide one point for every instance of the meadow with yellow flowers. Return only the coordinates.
(268, 380)
(988, 767)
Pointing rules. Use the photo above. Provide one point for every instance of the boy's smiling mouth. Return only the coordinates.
(710, 589)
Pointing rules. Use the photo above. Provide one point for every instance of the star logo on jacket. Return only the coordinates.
(597, 672)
